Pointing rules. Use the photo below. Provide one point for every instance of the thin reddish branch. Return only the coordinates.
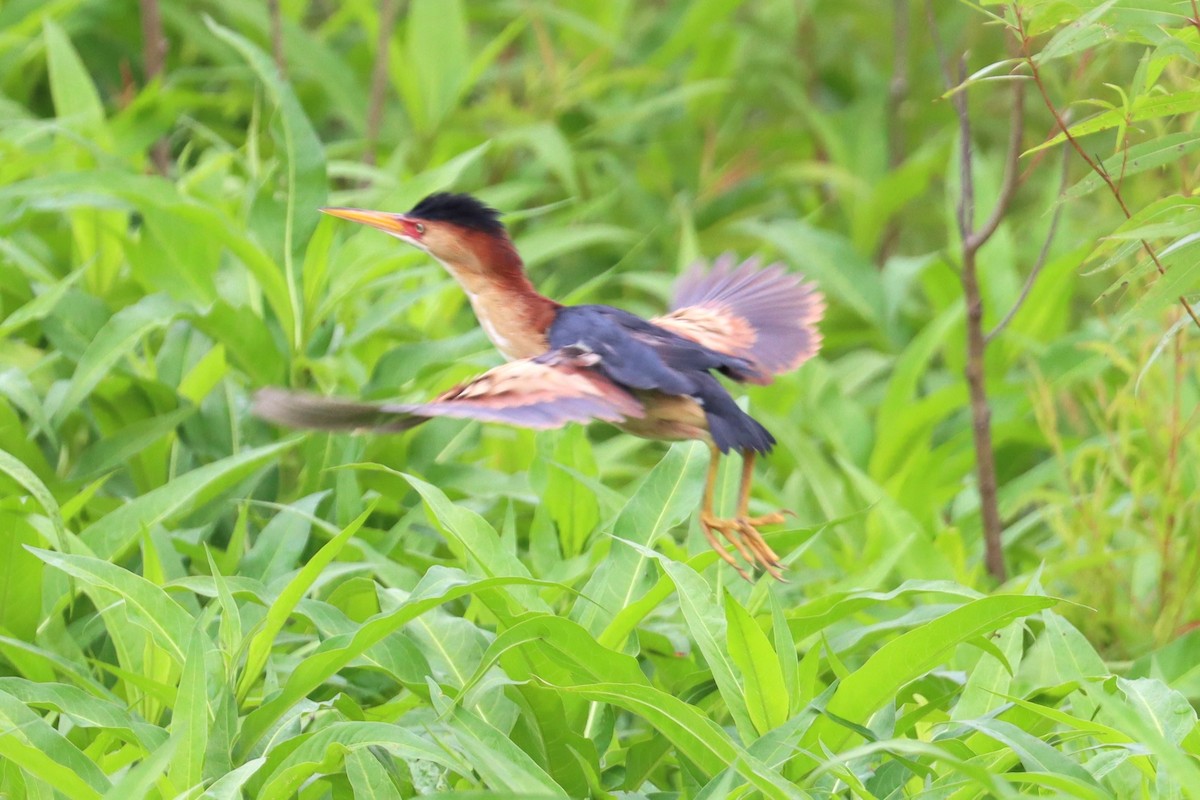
(1042, 254)
(1008, 185)
(972, 239)
(276, 22)
(388, 11)
(154, 52)
(1095, 166)
(898, 85)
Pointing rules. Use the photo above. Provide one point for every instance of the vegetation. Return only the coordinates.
(196, 604)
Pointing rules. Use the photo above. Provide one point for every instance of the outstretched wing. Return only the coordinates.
(544, 392)
(767, 316)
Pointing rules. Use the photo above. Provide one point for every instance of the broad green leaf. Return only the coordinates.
(116, 340)
(229, 786)
(911, 655)
(706, 623)
(1080, 33)
(785, 650)
(567, 644)
(696, 736)
(148, 605)
(40, 306)
(992, 677)
(440, 585)
(476, 542)
(110, 451)
(282, 541)
(437, 60)
(259, 649)
(14, 468)
(140, 780)
(494, 756)
(286, 768)
(85, 710)
(20, 577)
(305, 164)
(1145, 108)
(113, 533)
(1157, 152)
(766, 694)
(75, 98)
(32, 744)
(190, 718)
(1166, 709)
(1036, 755)
(667, 496)
(368, 777)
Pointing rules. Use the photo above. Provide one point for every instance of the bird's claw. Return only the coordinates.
(742, 533)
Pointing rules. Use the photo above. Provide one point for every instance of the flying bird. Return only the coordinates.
(652, 378)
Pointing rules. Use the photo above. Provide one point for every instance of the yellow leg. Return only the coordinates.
(764, 555)
(742, 531)
(709, 522)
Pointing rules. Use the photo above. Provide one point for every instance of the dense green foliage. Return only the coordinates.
(196, 604)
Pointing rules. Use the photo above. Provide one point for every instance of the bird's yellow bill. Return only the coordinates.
(392, 223)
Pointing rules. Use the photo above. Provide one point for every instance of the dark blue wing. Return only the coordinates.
(640, 355)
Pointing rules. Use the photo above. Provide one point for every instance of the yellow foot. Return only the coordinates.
(743, 534)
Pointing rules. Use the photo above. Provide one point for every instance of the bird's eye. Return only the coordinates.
(420, 228)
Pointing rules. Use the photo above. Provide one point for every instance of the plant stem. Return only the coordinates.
(276, 21)
(154, 51)
(388, 10)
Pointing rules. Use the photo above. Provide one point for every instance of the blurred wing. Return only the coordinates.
(767, 316)
(546, 392)
(302, 410)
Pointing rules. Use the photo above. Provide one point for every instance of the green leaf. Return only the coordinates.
(1144, 108)
(76, 100)
(667, 496)
(190, 718)
(1157, 152)
(287, 768)
(706, 623)
(110, 451)
(566, 644)
(259, 649)
(696, 736)
(368, 777)
(911, 655)
(1036, 755)
(113, 533)
(85, 710)
(20, 577)
(10, 465)
(31, 744)
(440, 585)
(305, 163)
(149, 605)
(493, 754)
(141, 779)
(39, 307)
(116, 340)
(766, 694)
(1166, 709)
(437, 63)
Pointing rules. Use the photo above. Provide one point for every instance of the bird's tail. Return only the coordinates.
(730, 427)
(767, 316)
(300, 410)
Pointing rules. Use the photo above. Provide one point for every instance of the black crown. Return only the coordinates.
(459, 209)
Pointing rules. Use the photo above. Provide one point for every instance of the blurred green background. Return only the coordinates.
(194, 603)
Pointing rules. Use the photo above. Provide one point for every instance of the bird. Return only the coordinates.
(654, 378)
